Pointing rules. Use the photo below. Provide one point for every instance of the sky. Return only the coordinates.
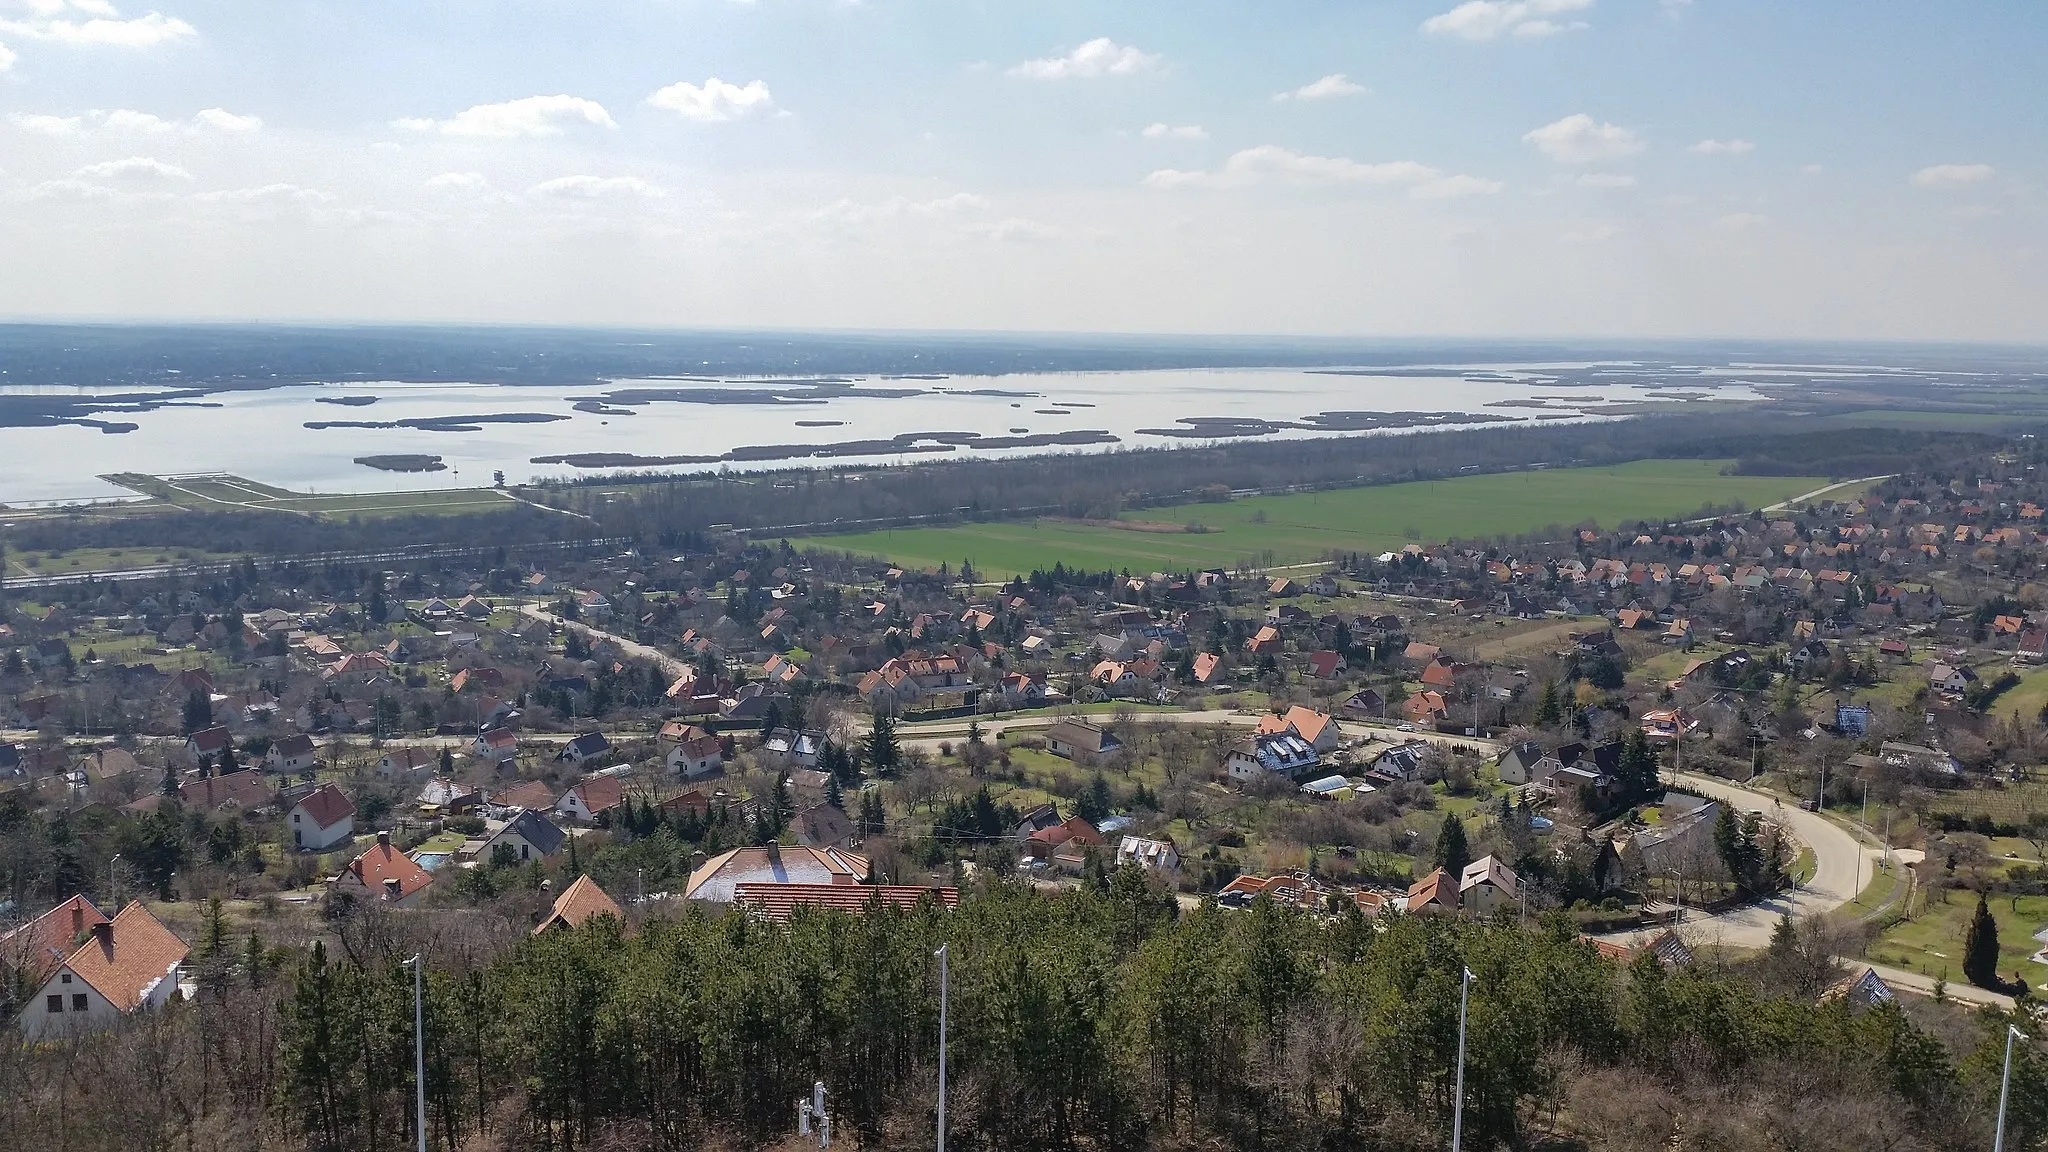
(1548, 168)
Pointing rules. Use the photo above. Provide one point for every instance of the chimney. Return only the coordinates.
(391, 889)
(384, 838)
(77, 920)
(103, 934)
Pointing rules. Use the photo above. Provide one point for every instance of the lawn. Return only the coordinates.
(222, 493)
(1932, 941)
(1269, 530)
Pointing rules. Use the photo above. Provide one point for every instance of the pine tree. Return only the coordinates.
(1980, 947)
(882, 750)
(1452, 850)
(833, 795)
(1548, 714)
(198, 711)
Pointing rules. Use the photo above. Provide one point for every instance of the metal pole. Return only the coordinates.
(1458, 1100)
(941, 954)
(113, 884)
(419, 1049)
(2005, 1087)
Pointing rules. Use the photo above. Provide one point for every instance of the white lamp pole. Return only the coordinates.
(1458, 1099)
(419, 1049)
(941, 954)
(2005, 1087)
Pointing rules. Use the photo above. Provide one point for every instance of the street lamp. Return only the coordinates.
(2005, 1086)
(419, 1049)
(113, 883)
(1458, 1098)
(941, 954)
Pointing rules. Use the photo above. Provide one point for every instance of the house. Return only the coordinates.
(1944, 677)
(581, 900)
(1315, 727)
(583, 749)
(205, 745)
(244, 791)
(1681, 843)
(698, 756)
(526, 836)
(1487, 886)
(323, 818)
(1208, 668)
(1325, 585)
(1402, 761)
(716, 880)
(486, 679)
(794, 747)
(533, 795)
(30, 953)
(292, 755)
(1366, 702)
(823, 826)
(1434, 894)
(1066, 838)
(399, 762)
(1151, 855)
(1265, 642)
(1420, 655)
(127, 964)
(496, 745)
(591, 799)
(1283, 753)
(382, 874)
(1080, 741)
(1425, 709)
(1325, 664)
(1023, 691)
(1039, 818)
(1860, 991)
(442, 795)
(1526, 763)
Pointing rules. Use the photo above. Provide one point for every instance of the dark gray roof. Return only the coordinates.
(536, 830)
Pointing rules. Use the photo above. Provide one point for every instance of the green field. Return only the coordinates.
(1269, 530)
(1932, 941)
(224, 493)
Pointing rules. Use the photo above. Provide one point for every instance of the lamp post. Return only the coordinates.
(1458, 1098)
(2005, 1087)
(419, 1048)
(113, 883)
(941, 954)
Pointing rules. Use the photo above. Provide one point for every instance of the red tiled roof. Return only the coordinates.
(327, 805)
(780, 901)
(579, 902)
(534, 794)
(38, 946)
(123, 963)
(384, 862)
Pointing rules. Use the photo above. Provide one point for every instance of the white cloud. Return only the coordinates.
(1722, 147)
(1606, 180)
(458, 181)
(716, 100)
(55, 21)
(7, 57)
(129, 120)
(527, 116)
(1016, 229)
(277, 194)
(1098, 57)
(47, 125)
(1270, 162)
(135, 170)
(1329, 87)
(1579, 139)
(1943, 177)
(227, 121)
(1489, 19)
(1175, 132)
(596, 187)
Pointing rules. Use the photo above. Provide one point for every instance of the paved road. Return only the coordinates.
(1842, 866)
(929, 733)
(667, 663)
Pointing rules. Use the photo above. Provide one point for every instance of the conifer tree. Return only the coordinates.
(1452, 850)
(1980, 947)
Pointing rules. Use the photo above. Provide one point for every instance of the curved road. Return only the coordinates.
(1842, 865)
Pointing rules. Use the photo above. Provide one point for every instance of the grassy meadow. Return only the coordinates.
(1270, 530)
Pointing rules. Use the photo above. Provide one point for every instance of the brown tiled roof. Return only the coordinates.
(780, 901)
(720, 877)
(327, 805)
(577, 903)
(601, 793)
(125, 961)
(385, 862)
(534, 794)
(38, 946)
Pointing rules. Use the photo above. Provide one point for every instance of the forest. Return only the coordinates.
(1108, 1017)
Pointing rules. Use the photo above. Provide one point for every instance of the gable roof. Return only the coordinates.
(384, 862)
(38, 946)
(327, 805)
(579, 902)
(719, 877)
(527, 794)
(1436, 888)
(127, 958)
(536, 830)
(601, 793)
(294, 746)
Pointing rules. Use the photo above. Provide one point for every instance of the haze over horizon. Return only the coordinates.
(1549, 169)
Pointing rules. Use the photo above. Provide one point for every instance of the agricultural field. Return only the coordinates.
(1274, 530)
(223, 493)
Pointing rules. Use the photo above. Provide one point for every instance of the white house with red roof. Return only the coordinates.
(324, 818)
(127, 964)
(382, 874)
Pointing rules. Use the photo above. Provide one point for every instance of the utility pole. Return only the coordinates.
(114, 884)
(1458, 1100)
(941, 954)
(2005, 1087)
(419, 1048)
